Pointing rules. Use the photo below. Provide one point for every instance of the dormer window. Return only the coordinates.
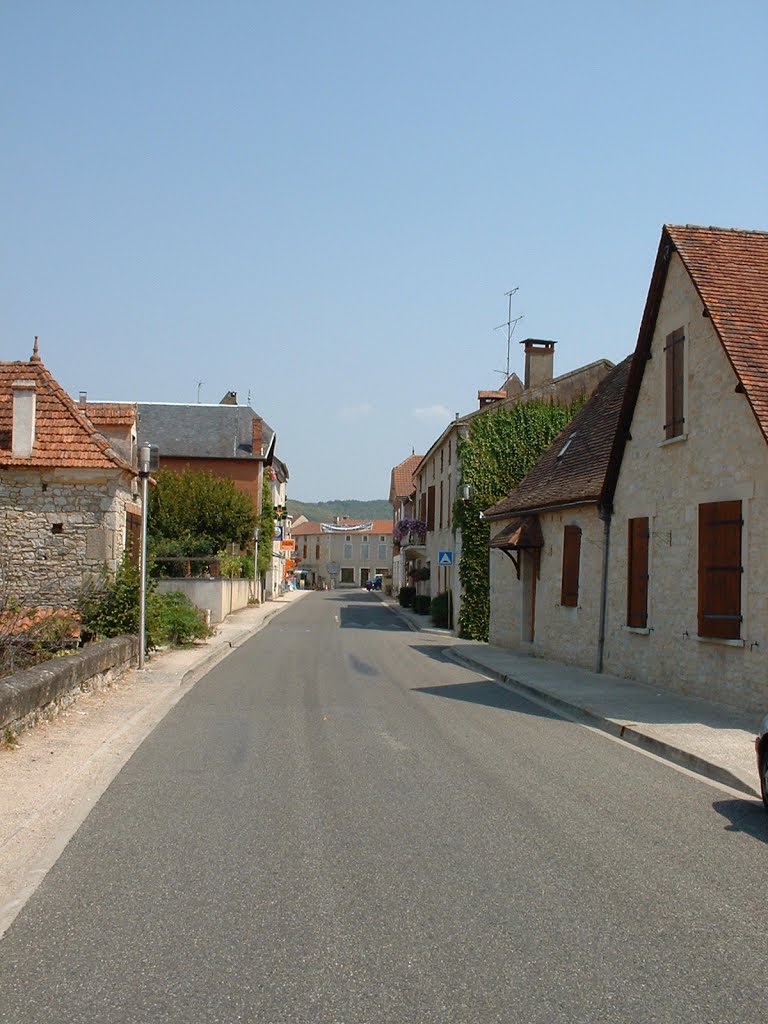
(566, 446)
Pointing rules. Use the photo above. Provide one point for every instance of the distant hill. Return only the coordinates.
(324, 511)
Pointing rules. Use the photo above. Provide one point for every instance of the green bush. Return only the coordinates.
(406, 596)
(109, 606)
(181, 621)
(440, 610)
(421, 603)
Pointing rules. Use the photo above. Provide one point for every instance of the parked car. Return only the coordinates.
(373, 584)
(761, 746)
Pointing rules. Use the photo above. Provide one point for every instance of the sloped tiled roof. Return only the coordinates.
(403, 485)
(573, 469)
(202, 431)
(111, 414)
(64, 436)
(378, 526)
(729, 269)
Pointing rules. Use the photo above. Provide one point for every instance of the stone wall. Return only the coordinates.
(722, 455)
(57, 530)
(561, 633)
(41, 692)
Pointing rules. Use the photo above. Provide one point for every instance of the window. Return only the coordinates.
(569, 594)
(442, 455)
(441, 505)
(348, 575)
(637, 573)
(431, 507)
(305, 549)
(317, 552)
(720, 569)
(675, 377)
(347, 551)
(448, 510)
(365, 551)
(382, 550)
(382, 538)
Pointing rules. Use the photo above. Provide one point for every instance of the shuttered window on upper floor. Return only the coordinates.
(674, 351)
(569, 594)
(720, 569)
(637, 572)
(431, 507)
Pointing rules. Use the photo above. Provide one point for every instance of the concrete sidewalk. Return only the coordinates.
(711, 739)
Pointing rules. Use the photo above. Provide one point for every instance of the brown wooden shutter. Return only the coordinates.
(720, 569)
(431, 507)
(423, 507)
(133, 537)
(637, 573)
(675, 377)
(441, 504)
(569, 594)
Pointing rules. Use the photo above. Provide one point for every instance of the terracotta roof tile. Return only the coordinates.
(114, 414)
(729, 268)
(403, 484)
(574, 467)
(64, 436)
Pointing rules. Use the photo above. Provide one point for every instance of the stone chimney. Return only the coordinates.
(539, 362)
(24, 413)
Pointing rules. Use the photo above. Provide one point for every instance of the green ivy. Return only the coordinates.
(503, 445)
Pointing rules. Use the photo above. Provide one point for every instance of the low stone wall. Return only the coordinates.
(220, 595)
(41, 692)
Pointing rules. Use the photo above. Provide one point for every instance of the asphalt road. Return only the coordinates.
(339, 826)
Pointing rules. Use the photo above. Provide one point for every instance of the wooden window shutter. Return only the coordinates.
(441, 505)
(133, 537)
(431, 507)
(569, 595)
(720, 569)
(675, 377)
(637, 573)
(423, 506)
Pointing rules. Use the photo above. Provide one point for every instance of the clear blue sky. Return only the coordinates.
(323, 204)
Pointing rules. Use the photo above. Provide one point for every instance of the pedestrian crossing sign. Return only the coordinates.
(445, 558)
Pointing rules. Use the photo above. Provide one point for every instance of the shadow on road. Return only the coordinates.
(747, 816)
(488, 694)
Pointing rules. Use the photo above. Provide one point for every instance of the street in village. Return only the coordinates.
(340, 822)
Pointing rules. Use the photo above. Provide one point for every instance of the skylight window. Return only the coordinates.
(566, 446)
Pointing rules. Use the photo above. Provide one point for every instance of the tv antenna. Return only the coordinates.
(199, 386)
(510, 324)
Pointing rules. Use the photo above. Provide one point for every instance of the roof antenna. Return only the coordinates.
(199, 385)
(510, 324)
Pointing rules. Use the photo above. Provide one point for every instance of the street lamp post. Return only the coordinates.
(256, 563)
(147, 459)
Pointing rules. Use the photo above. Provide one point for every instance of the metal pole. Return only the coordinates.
(144, 455)
(256, 579)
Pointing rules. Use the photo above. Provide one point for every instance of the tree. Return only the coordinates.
(199, 512)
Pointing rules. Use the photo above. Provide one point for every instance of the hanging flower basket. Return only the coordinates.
(420, 575)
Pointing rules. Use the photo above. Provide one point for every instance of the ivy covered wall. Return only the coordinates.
(502, 447)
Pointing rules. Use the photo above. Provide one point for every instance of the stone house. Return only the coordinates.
(402, 493)
(549, 539)
(438, 475)
(687, 590)
(344, 553)
(68, 498)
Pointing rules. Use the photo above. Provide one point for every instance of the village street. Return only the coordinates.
(339, 824)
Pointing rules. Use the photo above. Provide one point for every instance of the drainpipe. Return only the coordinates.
(605, 515)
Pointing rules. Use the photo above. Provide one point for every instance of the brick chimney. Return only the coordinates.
(257, 440)
(24, 414)
(539, 362)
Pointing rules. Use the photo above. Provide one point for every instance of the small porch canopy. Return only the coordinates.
(523, 533)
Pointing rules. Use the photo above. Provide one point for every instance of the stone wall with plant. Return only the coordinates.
(501, 448)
